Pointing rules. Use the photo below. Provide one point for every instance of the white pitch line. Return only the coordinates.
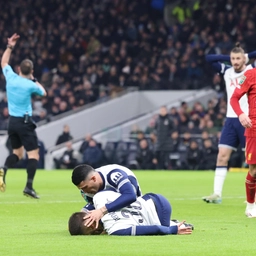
(79, 201)
(38, 201)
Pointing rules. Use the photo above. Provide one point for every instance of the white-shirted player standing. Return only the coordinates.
(232, 134)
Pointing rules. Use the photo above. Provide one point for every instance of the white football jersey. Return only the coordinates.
(232, 81)
(114, 177)
(139, 213)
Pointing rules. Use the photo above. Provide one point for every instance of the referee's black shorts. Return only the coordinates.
(22, 134)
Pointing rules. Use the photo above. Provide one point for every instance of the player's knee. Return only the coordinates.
(253, 170)
(222, 158)
(18, 153)
(33, 154)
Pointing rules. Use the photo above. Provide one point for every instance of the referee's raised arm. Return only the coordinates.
(10, 45)
(21, 128)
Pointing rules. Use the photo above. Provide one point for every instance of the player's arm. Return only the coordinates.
(236, 96)
(7, 53)
(147, 230)
(119, 181)
(251, 55)
(216, 61)
(234, 101)
(38, 88)
(127, 197)
(153, 230)
(125, 188)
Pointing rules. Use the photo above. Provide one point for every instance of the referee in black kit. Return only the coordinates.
(21, 129)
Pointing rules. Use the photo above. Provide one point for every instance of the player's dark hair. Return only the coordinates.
(75, 223)
(237, 48)
(26, 67)
(80, 173)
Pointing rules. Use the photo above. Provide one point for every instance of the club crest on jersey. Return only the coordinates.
(242, 80)
(116, 176)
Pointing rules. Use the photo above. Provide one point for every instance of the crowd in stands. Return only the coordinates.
(88, 50)
(85, 51)
(190, 142)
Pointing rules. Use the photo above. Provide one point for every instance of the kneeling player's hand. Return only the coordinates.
(93, 217)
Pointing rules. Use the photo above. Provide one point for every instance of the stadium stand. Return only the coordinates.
(87, 52)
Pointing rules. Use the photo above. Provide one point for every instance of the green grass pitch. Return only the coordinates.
(39, 227)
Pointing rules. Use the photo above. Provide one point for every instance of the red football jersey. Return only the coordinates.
(247, 85)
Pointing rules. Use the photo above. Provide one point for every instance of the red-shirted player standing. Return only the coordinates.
(248, 85)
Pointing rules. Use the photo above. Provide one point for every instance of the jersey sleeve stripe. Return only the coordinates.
(122, 183)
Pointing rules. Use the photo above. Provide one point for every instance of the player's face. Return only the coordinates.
(90, 185)
(237, 61)
(92, 230)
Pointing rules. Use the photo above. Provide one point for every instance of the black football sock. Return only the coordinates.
(31, 171)
(10, 161)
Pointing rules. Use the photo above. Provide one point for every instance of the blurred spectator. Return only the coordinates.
(152, 141)
(85, 143)
(93, 154)
(185, 141)
(194, 156)
(174, 114)
(181, 11)
(208, 161)
(164, 127)
(205, 135)
(69, 158)
(192, 129)
(65, 136)
(134, 132)
(175, 141)
(140, 136)
(145, 157)
(151, 127)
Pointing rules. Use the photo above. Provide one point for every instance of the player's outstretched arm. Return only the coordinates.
(216, 61)
(7, 53)
(252, 55)
(217, 57)
(153, 230)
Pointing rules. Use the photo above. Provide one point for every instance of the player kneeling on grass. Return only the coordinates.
(149, 215)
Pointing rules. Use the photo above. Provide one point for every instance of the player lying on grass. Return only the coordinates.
(149, 215)
(117, 177)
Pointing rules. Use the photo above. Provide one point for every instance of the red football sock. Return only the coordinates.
(250, 186)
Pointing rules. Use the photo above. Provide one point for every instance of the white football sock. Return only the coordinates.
(219, 178)
(250, 206)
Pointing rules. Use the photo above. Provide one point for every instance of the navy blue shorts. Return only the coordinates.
(163, 208)
(232, 134)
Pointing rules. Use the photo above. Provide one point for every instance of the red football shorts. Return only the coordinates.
(250, 150)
